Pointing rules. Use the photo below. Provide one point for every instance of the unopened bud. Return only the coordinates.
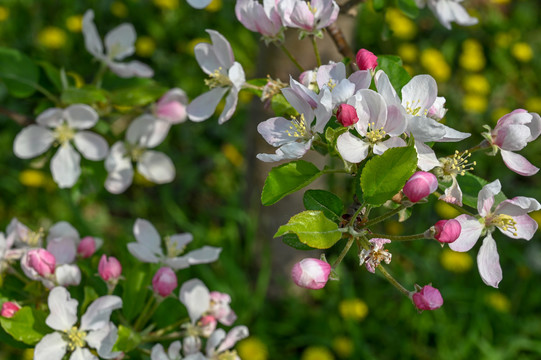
(346, 115)
(366, 60)
(87, 247)
(109, 268)
(42, 261)
(207, 324)
(164, 282)
(311, 273)
(420, 185)
(172, 106)
(9, 309)
(447, 231)
(428, 298)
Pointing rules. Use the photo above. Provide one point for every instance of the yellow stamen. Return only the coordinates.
(458, 164)
(375, 135)
(172, 250)
(298, 127)
(64, 133)
(504, 222)
(313, 10)
(414, 108)
(75, 338)
(218, 79)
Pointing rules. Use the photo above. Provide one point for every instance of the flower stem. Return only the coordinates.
(385, 216)
(99, 75)
(292, 58)
(400, 237)
(393, 281)
(344, 252)
(146, 313)
(153, 338)
(316, 51)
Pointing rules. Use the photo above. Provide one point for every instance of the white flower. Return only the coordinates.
(173, 353)
(226, 75)
(62, 242)
(60, 127)
(95, 329)
(448, 11)
(199, 4)
(148, 248)
(119, 44)
(144, 133)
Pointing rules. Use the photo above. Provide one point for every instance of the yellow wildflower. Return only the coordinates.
(252, 348)
(52, 37)
(214, 5)
(343, 346)
(166, 4)
(499, 302)
(446, 211)
(233, 155)
(434, 62)
(119, 9)
(4, 13)
(32, 178)
(457, 262)
(401, 26)
(145, 46)
(317, 353)
(74, 23)
(474, 103)
(522, 52)
(408, 52)
(472, 57)
(354, 309)
(477, 84)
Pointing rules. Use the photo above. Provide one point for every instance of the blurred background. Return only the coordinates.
(484, 71)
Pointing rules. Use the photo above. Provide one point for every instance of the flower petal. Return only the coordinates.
(143, 253)
(196, 297)
(485, 199)
(146, 234)
(230, 106)
(63, 309)
(156, 167)
(525, 228)
(91, 145)
(82, 354)
(292, 150)
(158, 353)
(204, 255)
(67, 275)
(471, 230)
(518, 163)
(420, 93)
(222, 49)
(147, 131)
(199, 4)
(81, 116)
(51, 347)
(203, 106)
(351, 148)
(120, 41)
(62, 229)
(98, 313)
(65, 166)
(131, 69)
(214, 339)
(426, 157)
(233, 336)
(92, 39)
(120, 169)
(488, 262)
(276, 131)
(32, 141)
(519, 205)
(52, 118)
(103, 341)
(63, 249)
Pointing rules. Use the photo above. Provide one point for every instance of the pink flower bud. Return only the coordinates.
(420, 185)
(164, 282)
(311, 273)
(109, 269)
(207, 324)
(447, 231)
(172, 106)
(428, 298)
(9, 309)
(346, 115)
(366, 60)
(42, 261)
(87, 247)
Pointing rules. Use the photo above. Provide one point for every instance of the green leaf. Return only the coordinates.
(85, 95)
(27, 325)
(90, 295)
(293, 241)
(282, 107)
(286, 179)
(127, 339)
(392, 66)
(409, 7)
(384, 175)
(471, 185)
(378, 5)
(135, 291)
(313, 229)
(138, 96)
(18, 72)
(325, 201)
(52, 73)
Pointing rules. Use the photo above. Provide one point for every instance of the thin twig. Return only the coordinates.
(18, 118)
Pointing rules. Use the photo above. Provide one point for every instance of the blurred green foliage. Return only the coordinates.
(484, 71)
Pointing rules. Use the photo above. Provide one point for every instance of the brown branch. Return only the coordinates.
(344, 8)
(18, 118)
(341, 44)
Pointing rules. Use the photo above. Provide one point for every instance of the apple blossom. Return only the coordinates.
(512, 133)
(372, 257)
(420, 185)
(510, 217)
(119, 43)
(366, 60)
(226, 76)
(109, 269)
(87, 247)
(448, 170)
(333, 78)
(95, 329)
(311, 273)
(447, 231)
(144, 133)
(61, 127)
(41, 261)
(147, 248)
(264, 19)
(171, 107)
(448, 11)
(312, 16)
(427, 298)
(346, 115)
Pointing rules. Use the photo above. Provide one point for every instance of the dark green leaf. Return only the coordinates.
(325, 201)
(313, 229)
(18, 72)
(471, 185)
(27, 325)
(86, 95)
(52, 73)
(138, 96)
(286, 179)
(378, 4)
(293, 241)
(135, 291)
(384, 175)
(392, 66)
(409, 7)
(127, 339)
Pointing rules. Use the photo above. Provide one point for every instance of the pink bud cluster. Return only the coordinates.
(42, 261)
(427, 298)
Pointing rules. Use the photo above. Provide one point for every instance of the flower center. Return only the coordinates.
(63, 133)
(413, 108)
(458, 164)
(313, 10)
(331, 84)
(172, 248)
(504, 222)
(228, 355)
(33, 238)
(75, 338)
(298, 127)
(218, 79)
(375, 255)
(134, 152)
(375, 135)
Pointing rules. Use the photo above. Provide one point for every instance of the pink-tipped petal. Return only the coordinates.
(488, 262)
(518, 163)
(470, 233)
